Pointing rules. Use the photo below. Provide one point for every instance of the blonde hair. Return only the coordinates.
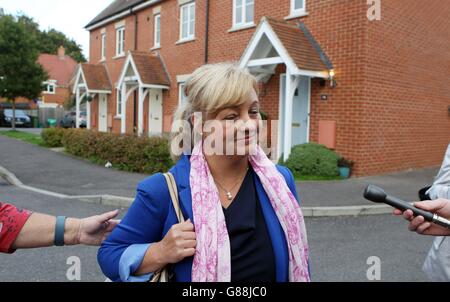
(211, 88)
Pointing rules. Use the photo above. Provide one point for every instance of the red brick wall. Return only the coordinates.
(94, 112)
(406, 118)
(60, 96)
(389, 72)
(340, 28)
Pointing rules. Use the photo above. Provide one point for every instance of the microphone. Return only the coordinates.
(378, 195)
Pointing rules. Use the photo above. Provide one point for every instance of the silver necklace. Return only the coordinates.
(228, 192)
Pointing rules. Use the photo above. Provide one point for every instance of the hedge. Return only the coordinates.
(312, 160)
(125, 152)
(52, 137)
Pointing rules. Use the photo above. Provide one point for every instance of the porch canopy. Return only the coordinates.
(90, 80)
(142, 71)
(278, 42)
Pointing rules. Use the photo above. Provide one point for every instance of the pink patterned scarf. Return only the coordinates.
(212, 260)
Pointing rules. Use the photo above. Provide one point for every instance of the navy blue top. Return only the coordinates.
(252, 256)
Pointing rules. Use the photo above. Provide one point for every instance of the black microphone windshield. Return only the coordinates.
(375, 194)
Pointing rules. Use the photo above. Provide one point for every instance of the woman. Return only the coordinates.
(243, 220)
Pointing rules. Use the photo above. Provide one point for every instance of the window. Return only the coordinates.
(50, 87)
(120, 41)
(103, 47)
(181, 95)
(298, 7)
(119, 103)
(243, 12)
(187, 23)
(157, 37)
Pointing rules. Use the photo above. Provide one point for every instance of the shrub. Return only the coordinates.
(52, 137)
(125, 152)
(312, 160)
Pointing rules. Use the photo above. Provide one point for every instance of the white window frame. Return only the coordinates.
(119, 103)
(298, 11)
(244, 22)
(189, 36)
(49, 83)
(182, 98)
(120, 41)
(103, 49)
(157, 33)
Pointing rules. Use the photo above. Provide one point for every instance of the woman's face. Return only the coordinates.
(234, 130)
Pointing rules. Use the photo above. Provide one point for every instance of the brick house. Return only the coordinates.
(375, 91)
(60, 69)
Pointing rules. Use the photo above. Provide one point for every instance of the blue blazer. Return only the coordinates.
(151, 215)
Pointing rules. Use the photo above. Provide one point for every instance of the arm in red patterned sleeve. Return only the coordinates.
(12, 221)
(22, 229)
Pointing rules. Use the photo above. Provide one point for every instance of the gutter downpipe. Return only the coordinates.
(207, 32)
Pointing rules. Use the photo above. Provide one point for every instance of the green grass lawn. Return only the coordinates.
(24, 136)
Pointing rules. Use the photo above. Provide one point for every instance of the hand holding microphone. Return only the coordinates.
(425, 217)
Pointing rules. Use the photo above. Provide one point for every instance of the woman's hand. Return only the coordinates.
(418, 224)
(179, 243)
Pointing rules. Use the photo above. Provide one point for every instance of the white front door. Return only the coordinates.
(155, 126)
(300, 113)
(102, 113)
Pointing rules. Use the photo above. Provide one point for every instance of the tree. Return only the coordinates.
(20, 74)
(52, 39)
(49, 41)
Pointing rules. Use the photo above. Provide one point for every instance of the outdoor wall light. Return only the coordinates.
(332, 79)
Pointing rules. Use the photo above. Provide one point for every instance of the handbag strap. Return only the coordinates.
(164, 274)
(173, 191)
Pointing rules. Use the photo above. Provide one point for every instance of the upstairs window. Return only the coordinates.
(120, 41)
(157, 34)
(243, 12)
(298, 7)
(50, 87)
(103, 47)
(187, 21)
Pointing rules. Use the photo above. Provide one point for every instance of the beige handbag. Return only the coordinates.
(164, 274)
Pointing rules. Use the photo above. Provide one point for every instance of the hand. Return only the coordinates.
(178, 243)
(93, 230)
(419, 225)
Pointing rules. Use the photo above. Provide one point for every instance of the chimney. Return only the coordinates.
(61, 53)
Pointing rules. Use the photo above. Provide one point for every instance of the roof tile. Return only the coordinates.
(150, 68)
(96, 77)
(298, 45)
(58, 68)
